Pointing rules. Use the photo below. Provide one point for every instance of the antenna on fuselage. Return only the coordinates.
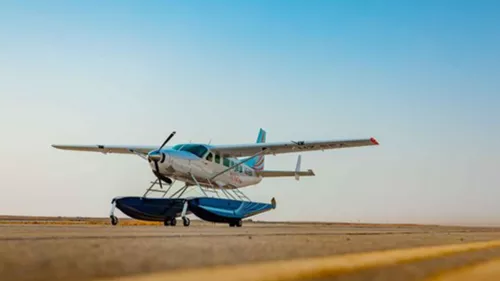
(210, 141)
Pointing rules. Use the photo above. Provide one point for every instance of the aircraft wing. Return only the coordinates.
(287, 147)
(122, 149)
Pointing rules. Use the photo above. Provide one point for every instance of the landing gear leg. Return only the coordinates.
(185, 220)
(114, 219)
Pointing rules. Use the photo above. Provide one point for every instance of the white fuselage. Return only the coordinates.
(180, 165)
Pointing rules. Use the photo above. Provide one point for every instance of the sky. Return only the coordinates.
(419, 76)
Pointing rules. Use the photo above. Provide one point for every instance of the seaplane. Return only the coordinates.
(221, 170)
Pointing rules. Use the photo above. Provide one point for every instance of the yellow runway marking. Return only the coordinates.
(486, 271)
(312, 267)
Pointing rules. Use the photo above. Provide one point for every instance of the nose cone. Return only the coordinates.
(154, 156)
(158, 156)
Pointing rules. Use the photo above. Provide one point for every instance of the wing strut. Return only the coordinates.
(143, 156)
(238, 164)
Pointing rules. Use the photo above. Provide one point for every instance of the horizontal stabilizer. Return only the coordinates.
(272, 174)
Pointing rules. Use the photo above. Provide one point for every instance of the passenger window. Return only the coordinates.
(248, 172)
(210, 157)
(226, 162)
(217, 158)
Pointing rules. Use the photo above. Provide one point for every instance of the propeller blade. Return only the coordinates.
(158, 172)
(165, 142)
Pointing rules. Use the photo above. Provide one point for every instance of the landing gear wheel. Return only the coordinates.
(232, 224)
(166, 222)
(173, 222)
(239, 223)
(114, 220)
(186, 221)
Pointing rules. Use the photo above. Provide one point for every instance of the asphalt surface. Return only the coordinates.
(86, 252)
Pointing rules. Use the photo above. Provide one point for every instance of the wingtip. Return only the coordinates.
(374, 141)
(58, 146)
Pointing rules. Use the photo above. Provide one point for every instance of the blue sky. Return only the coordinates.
(420, 76)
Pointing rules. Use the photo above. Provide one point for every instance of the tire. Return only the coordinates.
(239, 223)
(186, 221)
(173, 222)
(114, 220)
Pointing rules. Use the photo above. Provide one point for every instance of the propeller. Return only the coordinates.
(155, 159)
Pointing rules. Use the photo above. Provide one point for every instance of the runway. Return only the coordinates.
(91, 252)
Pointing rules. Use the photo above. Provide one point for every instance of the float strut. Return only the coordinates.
(184, 209)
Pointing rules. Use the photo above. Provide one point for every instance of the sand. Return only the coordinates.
(83, 251)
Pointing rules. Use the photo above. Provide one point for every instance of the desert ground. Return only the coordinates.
(90, 249)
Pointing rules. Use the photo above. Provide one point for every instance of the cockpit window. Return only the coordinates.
(196, 149)
(210, 157)
(177, 146)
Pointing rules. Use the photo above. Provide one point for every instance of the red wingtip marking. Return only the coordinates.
(374, 141)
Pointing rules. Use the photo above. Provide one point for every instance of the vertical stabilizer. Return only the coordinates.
(257, 163)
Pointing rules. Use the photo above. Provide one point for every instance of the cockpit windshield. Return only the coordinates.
(196, 149)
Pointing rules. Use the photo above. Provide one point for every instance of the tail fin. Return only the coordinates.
(257, 163)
